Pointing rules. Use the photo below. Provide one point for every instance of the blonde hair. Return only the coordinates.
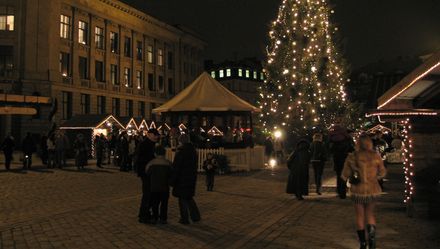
(364, 143)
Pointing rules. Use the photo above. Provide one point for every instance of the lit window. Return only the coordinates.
(247, 73)
(7, 18)
(99, 37)
(127, 77)
(150, 54)
(83, 31)
(240, 72)
(261, 76)
(213, 74)
(139, 80)
(255, 75)
(65, 27)
(160, 57)
(228, 72)
(221, 73)
(114, 74)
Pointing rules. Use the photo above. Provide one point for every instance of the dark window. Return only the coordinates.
(151, 85)
(101, 105)
(127, 46)
(139, 51)
(6, 61)
(139, 82)
(127, 77)
(114, 74)
(170, 86)
(65, 27)
(170, 60)
(129, 108)
(83, 32)
(161, 84)
(85, 104)
(67, 105)
(99, 37)
(83, 65)
(99, 71)
(116, 106)
(114, 42)
(141, 110)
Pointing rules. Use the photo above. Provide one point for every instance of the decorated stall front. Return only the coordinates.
(414, 104)
(90, 126)
(216, 119)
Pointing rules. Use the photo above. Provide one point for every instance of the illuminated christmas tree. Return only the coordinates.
(305, 74)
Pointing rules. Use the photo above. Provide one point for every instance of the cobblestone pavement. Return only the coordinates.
(97, 208)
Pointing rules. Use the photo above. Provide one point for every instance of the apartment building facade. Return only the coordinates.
(91, 57)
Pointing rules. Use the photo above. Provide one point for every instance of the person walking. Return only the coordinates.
(81, 151)
(268, 148)
(61, 145)
(99, 149)
(184, 180)
(50, 143)
(368, 165)
(43, 149)
(159, 172)
(28, 147)
(210, 167)
(144, 154)
(298, 164)
(341, 145)
(8, 148)
(131, 152)
(318, 158)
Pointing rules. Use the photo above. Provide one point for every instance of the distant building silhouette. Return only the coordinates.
(242, 77)
(370, 82)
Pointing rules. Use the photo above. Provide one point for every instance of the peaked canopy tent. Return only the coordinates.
(206, 103)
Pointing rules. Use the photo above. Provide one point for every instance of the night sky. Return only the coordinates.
(370, 30)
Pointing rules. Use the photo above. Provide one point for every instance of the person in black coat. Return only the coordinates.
(298, 164)
(184, 179)
(144, 154)
(159, 172)
(318, 153)
(341, 144)
(28, 147)
(8, 148)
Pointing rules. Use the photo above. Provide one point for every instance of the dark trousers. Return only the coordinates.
(51, 158)
(61, 158)
(8, 159)
(341, 186)
(144, 209)
(318, 168)
(27, 161)
(210, 180)
(159, 205)
(188, 205)
(99, 156)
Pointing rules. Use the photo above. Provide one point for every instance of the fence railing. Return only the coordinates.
(244, 159)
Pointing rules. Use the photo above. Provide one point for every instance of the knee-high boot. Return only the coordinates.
(371, 229)
(362, 240)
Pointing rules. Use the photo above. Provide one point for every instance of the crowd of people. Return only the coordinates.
(363, 160)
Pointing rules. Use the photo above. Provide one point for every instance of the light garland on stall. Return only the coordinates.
(408, 161)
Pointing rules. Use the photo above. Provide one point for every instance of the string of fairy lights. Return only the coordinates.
(408, 160)
(305, 80)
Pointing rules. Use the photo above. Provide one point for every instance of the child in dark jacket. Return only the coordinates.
(210, 166)
(159, 172)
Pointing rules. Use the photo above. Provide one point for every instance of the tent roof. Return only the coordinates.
(205, 94)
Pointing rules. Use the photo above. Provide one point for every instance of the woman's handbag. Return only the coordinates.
(355, 178)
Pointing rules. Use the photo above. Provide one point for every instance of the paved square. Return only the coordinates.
(97, 208)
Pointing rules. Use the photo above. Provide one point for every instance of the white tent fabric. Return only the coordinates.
(205, 94)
